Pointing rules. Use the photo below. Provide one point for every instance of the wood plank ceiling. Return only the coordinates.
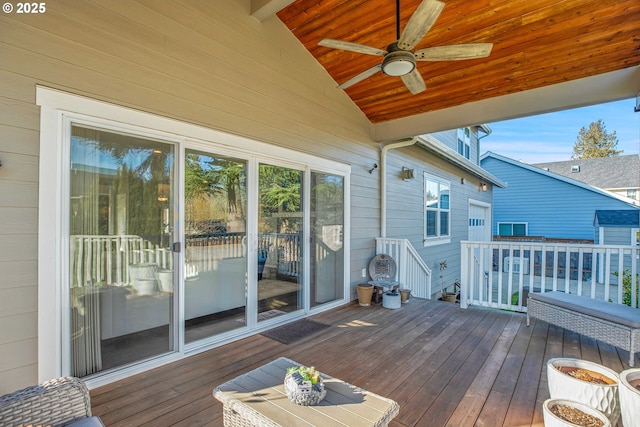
(536, 43)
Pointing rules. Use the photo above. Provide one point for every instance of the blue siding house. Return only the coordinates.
(540, 203)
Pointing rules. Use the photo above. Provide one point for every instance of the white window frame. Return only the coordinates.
(635, 236)
(512, 223)
(57, 110)
(438, 239)
(464, 142)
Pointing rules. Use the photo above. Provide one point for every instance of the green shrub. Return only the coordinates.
(626, 287)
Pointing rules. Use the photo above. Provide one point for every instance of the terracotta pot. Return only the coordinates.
(552, 420)
(603, 397)
(630, 397)
(365, 294)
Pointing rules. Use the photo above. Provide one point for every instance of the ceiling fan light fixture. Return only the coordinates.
(398, 63)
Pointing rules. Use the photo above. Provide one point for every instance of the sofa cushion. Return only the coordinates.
(87, 422)
(617, 313)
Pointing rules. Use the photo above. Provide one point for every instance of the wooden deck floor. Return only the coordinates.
(445, 366)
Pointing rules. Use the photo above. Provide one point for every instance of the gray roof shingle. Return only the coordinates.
(607, 172)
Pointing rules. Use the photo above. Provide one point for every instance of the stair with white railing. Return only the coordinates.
(412, 272)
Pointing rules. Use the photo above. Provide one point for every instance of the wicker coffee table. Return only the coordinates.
(257, 398)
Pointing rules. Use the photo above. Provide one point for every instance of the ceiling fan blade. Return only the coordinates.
(414, 82)
(352, 47)
(454, 52)
(363, 75)
(420, 23)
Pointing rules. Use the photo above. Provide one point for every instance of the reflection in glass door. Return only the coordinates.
(215, 244)
(327, 232)
(120, 262)
(280, 242)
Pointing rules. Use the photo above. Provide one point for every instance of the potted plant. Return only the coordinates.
(629, 392)
(585, 382)
(569, 413)
(304, 386)
(446, 296)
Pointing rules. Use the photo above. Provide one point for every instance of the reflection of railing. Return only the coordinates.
(511, 270)
(204, 251)
(106, 259)
(283, 251)
(280, 251)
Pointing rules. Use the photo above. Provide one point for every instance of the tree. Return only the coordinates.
(595, 142)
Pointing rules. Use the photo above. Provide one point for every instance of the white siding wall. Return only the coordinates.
(202, 62)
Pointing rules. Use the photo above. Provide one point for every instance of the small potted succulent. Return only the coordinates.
(304, 386)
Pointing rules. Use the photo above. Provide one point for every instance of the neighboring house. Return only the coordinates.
(542, 204)
(617, 174)
(140, 153)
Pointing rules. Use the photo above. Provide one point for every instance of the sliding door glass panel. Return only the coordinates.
(215, 285)
(121, 266)
(280, 231)
(327, 245)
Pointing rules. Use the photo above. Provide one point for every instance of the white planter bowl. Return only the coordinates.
(391, 300)
(552, 420)
(603, 397)
(629, 398)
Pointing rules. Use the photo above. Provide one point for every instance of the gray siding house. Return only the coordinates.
(141, 146)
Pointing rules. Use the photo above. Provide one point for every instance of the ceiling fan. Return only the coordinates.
(399, 59)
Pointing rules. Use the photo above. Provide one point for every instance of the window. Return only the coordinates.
(437, 208)
(512, 228)
(635, 236)
(632, 193)
(464, 138)
(575, 168)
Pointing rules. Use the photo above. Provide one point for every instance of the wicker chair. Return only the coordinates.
(59, 402)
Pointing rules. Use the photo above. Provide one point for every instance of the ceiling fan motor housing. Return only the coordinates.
(398, 62)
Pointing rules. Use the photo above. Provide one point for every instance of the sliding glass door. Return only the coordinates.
(280, 241)
(215, 215)
(120, 273)
(327, 238)
(125, 293)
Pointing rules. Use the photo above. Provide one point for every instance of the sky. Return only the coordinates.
(550, 137)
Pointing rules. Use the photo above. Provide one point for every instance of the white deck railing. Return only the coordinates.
(500, 274)
(412, 272)
(107, 259)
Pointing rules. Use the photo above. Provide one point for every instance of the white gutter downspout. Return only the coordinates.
(383, 180)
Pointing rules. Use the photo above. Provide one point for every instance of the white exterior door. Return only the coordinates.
(479, 221)
(480, 231)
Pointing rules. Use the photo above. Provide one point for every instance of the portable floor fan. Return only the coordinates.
(399, 59)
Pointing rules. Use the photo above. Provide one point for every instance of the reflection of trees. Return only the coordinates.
(280, 192)
(129, 200)
(327, 200)
(208, 179)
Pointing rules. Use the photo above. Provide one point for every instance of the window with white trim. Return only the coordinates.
(464, 141)
(513, 229)
(437, 203)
